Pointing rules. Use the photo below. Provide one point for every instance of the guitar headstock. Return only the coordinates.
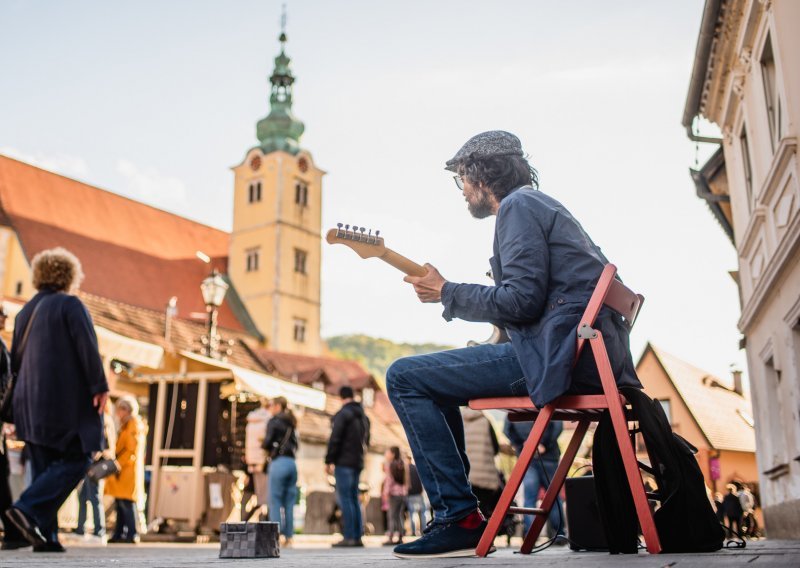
(360, 239)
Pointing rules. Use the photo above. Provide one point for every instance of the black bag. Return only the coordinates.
(7, 403)
(102, 468)
(249, 540)
(685, 522)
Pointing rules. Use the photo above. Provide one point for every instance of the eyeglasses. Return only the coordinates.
(459, 182)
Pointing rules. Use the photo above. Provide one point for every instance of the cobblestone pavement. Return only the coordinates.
(310, 552)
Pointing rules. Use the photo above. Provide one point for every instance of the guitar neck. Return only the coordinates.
(402, 263)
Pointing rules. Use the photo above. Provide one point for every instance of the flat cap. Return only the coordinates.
(486, 145)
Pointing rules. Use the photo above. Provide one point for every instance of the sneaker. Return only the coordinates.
(345, 543)
(49, 547)
(14, 544)
(26, 525)
(443, 540)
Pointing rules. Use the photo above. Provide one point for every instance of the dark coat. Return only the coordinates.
(277, 429)
(349, 437)
(59, 374)
(518, 432)
(545, 268)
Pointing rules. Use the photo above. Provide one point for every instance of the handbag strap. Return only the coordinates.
(24, 339)
(284, 441)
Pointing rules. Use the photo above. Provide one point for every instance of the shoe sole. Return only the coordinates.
(464, 553)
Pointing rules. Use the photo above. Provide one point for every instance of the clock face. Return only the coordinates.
(302, 164)
(255, 163)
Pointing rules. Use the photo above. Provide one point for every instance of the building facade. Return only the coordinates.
(712, 414)
(746, 80)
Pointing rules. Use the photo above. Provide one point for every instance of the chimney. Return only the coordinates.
(737, 381)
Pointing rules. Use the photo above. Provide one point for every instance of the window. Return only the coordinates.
(368, 397)
(300, 330)
(771, 97)
(748, 169)
(300, 257)
(665, 405)
(301, 194)
(254, 192)
(252, 259)
(18, 289)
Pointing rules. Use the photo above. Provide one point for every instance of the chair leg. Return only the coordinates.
(555, 487)
(514, 481)
(625, 448)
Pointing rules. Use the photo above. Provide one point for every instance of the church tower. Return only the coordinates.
(274, 259)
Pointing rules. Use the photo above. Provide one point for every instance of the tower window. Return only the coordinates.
(18, 289)
(254, 192)
(300, 257)
(300, 330)
(253, 256)
(301, 194)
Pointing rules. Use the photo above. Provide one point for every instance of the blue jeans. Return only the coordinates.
(90, 491)
(126, 520)
(426, 391)
(282, 493)
(55, 474)
(416, 507)
(347, 497)
(538, 476)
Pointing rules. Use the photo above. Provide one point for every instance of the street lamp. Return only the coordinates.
(214, 289)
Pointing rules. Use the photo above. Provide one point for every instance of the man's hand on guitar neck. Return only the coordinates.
(428, 287)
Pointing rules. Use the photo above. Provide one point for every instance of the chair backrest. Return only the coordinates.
(612, 293)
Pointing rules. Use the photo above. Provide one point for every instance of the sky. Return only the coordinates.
(158, 100)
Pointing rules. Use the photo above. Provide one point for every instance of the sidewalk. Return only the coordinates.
(310, 552)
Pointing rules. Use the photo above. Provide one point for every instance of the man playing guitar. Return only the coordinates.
(545, 268)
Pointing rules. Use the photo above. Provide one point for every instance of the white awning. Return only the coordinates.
(111, 344)
(129, 350)
(261, 384)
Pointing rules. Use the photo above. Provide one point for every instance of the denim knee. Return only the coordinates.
(396, 378)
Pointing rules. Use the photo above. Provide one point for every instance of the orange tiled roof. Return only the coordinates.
(130, 252)
(306, 369)
(720, 413)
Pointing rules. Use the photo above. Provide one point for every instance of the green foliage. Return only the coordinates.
(377, 354)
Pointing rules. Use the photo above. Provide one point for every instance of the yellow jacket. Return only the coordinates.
(129, 445)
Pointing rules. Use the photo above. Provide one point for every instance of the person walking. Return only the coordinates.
(255, 456)
(415, 502)
(540, 472)
(733, 510)
(395, 490)
(12, 537)
(481, 447)
(91, 491)
(281, 446)
(59, 395)
(123, 486)
(344, 460)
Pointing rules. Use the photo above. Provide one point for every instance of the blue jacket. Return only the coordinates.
(59, 373)
(545, 268)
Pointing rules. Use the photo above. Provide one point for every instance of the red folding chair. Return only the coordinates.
(581, 408)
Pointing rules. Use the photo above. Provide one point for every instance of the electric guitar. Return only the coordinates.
(367, 245)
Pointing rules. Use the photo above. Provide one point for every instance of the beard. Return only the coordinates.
(481, 208)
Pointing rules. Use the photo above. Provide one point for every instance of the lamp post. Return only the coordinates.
(214, 289)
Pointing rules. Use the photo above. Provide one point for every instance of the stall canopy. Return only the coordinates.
(261, 384)
(129, 350)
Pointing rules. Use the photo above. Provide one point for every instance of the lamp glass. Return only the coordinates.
(214, 289)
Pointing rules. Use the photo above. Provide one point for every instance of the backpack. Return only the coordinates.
(685, 522)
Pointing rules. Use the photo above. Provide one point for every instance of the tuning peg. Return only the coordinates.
(377, 234)
(339, 225)
(362, 229)
(347, 227)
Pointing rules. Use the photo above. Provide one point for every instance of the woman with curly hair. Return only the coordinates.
(59, 395)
